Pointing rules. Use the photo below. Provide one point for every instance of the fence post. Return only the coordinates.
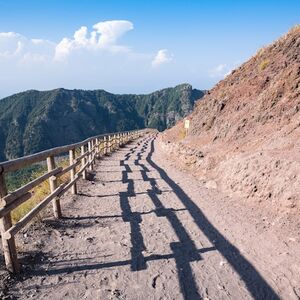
(9, 246)
(90, 155)
(100, 148)
(104, 146)
(53, 185)
(72, 171)
(95, 150)
(92, 149)
(109, 144)
(119, 140)
(98, 143)
(83, 161)
(95, 147)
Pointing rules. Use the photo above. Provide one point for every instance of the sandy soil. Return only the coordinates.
(143, 229)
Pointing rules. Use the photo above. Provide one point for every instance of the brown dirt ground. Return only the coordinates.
(143, 229)
(244, 134)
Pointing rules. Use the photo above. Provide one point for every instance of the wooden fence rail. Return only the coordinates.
(88, 150)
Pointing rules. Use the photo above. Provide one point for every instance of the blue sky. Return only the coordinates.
(139, 46)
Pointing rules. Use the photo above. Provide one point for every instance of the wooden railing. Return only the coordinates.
(88, 150)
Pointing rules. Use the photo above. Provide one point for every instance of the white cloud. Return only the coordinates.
(219, 71)
(110, 31)
(15, 45)
(222, 70)
(163, 56)
(104, 36)
(11, 43)
(80, 35)
(90, 59)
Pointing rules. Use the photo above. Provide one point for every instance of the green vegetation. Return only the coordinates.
(38, 194)
(33, 121)
(19, 178)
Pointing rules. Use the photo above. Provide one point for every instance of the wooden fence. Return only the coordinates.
(88, 150)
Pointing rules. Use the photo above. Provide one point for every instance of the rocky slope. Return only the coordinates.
(245, 133)
(33, 121)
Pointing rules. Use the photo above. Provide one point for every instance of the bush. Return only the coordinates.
(264, 64)
(182, 134)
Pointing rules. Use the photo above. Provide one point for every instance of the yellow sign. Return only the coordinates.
(186, 124)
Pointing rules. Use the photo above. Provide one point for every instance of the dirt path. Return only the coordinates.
(145, 230)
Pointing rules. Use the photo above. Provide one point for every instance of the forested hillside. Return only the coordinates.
(33, 120)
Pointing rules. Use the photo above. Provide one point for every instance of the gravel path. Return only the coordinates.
(144, 230)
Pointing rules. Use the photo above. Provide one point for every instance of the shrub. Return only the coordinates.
(182, 134)
(264, 64)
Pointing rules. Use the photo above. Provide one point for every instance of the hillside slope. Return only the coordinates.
(245, 133)
(33, 121)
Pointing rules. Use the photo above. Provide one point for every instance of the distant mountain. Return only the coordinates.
(33, 121)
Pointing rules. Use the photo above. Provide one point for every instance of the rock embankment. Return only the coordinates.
(245, 133)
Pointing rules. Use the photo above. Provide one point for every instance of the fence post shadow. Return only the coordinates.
(183, 251)
(255, 283)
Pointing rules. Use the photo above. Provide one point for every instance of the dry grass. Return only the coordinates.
(41, 191)
(182, 134)
(38, 193)
(264, 64)
(260, 51)
(294, 30)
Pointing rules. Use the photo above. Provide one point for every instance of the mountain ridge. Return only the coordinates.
(33, 120)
